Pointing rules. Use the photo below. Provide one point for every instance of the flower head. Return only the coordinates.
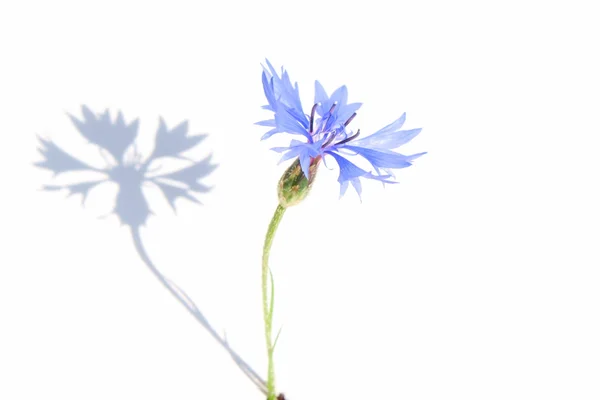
(126, 167)
(325, 132)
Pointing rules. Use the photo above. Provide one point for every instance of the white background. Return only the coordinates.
(476, 277)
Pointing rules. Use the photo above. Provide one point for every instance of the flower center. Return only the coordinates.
(333, 132)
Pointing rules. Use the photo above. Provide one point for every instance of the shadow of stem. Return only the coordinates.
(184, 299)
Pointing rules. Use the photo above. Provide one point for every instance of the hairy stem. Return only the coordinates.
(268, 303)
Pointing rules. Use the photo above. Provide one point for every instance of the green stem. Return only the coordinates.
(268, 305)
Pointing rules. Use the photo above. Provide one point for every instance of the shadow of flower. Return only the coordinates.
(126, 167)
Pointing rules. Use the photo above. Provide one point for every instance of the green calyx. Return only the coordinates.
(294, 185)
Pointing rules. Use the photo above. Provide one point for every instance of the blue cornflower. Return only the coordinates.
(325, 132)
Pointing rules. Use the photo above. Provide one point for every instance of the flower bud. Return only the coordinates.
(294, 185)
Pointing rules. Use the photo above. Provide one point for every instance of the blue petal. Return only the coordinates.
(342, 111)
(415, 156)
(343, 188)
(348, 171)
(286, 122)
(394, 126)
(299, 116)
(340, 95)
(305, 164)
(267, 122)
(399, 138)
(320, 96)
(284, 92)
(284, 101)
(357, 186)
(325, 102)
(268, 89)
(381, 159)
(271, 69)
(269, 134)
(346, 111)
(289, 155)
(294, 144)
(389, 137)
(355, 183)
(312, 149)
(305, 151)
(280, 149)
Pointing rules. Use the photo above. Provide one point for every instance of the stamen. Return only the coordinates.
(350, 119)
(329, 115)
(329, 140)
(333, 107)
(312, 117)
(349, 138)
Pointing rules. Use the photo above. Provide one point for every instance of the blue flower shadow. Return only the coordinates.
(129, 170)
